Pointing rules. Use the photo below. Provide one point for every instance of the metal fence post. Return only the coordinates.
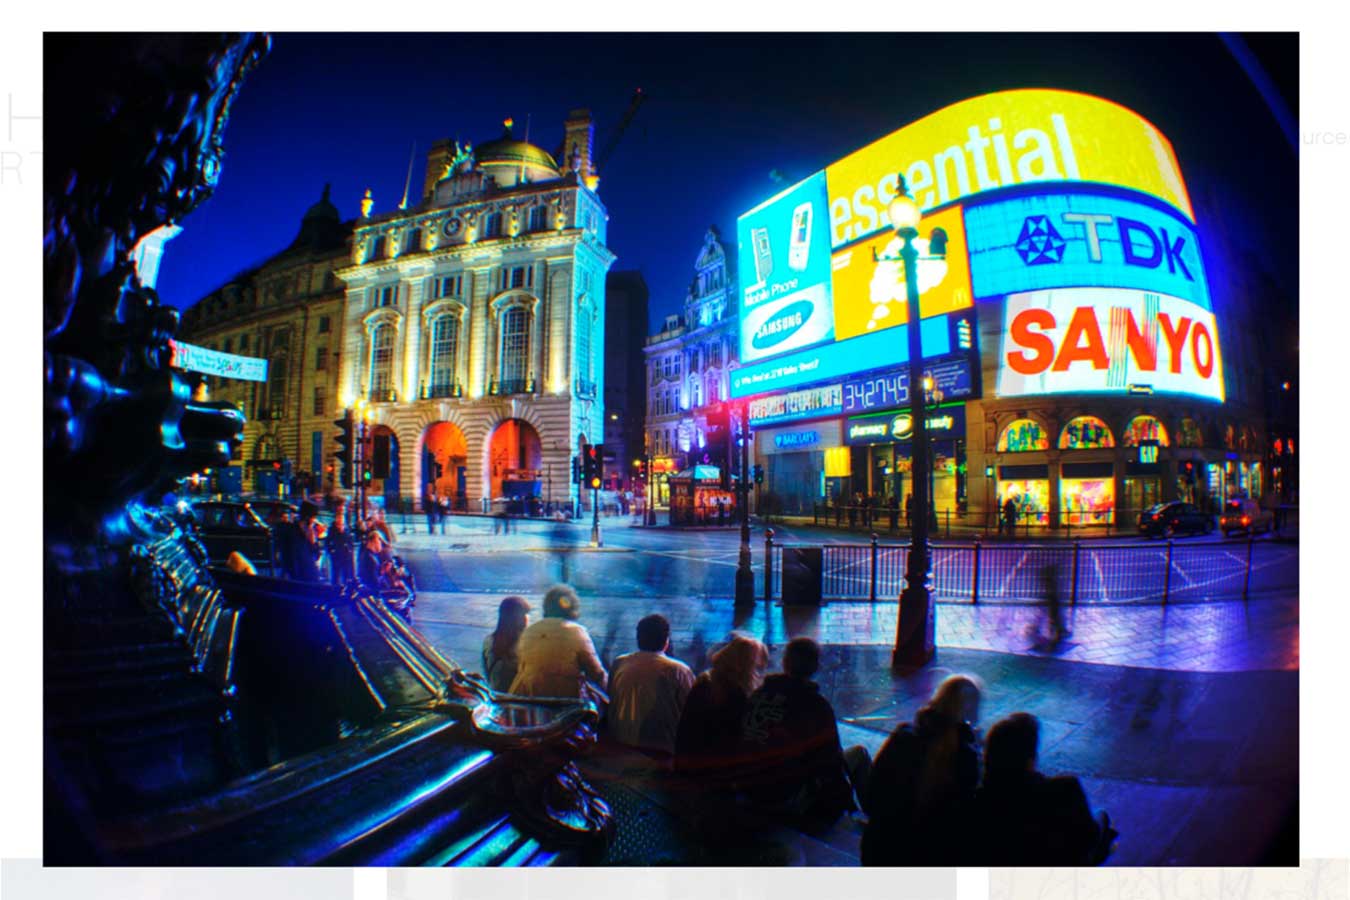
(975, 576)
(873, 593)
(768, 565)
(1073, 590)
(948, 513)
(1167, 575)
(1247, 577)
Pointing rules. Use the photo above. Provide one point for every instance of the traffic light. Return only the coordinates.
(576, 470)
(759, 474)
(346, 440)
(593, 464)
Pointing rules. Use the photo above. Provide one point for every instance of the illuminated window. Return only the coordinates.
(1189, 435)
(1086, 433)
(444, 346)
(1144, 428)
(1023, 435)
(450, 286)
(515, 354)
(381, 361)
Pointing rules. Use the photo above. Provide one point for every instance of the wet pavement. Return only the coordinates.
(1181, 721)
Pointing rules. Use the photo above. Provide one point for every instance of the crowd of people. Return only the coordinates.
(746, 748)
(341, 553)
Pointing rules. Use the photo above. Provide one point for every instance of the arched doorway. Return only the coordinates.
(514, 460)
(445, 458)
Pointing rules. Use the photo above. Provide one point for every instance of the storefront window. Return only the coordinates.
(1144, 428)
(1188, 435)
(1030, 496)
(1087, 501)
(1023, 435)
(1086, 433)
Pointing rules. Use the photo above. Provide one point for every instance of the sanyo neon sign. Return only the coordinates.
(1108, 340)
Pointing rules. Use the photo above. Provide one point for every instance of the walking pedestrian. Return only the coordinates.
(1010, 517)
(430, 506)
(341, 546)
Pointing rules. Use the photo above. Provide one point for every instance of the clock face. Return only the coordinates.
(452, 227)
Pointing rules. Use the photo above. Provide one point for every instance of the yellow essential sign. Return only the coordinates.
(999, 140)
(869, 295)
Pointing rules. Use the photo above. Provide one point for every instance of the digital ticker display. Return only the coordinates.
(952, 378)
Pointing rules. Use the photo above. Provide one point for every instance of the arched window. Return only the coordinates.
(1086, 433)
(1144, 428)
(1189, 434)
(1022, 435)
(515, 350)
(444, 347)
(382, 362)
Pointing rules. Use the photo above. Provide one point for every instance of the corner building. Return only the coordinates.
(475, 322)
(1082, 364)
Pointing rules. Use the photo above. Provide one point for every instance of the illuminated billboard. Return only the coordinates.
(1036, 190)
(1095, 340)
(784, 258)
(1059, 240)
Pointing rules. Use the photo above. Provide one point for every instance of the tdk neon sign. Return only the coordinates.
(1065, 240)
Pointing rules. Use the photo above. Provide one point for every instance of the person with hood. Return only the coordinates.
(923, 781)
(555, 655)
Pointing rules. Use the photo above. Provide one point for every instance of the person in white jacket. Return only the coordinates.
(555, 654)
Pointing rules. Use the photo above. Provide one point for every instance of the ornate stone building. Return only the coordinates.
(688, 363)
(474, 323)
(287, 310)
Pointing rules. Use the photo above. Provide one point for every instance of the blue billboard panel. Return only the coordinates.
(1060, 240)
(877, 350)
(784, 257)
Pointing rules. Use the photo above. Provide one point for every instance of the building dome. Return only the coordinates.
(508, 159)
(322, 224)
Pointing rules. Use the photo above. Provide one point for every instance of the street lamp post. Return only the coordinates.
(745, 576)
(915, 634)
(649, 514)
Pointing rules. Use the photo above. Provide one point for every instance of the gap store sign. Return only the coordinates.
(801, 324)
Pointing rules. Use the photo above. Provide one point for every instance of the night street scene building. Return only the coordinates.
(468, 347)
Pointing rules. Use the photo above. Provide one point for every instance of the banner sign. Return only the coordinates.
(1107, 340)
(212, 362)
(897, 426)
(1062, 240)
(803, 404)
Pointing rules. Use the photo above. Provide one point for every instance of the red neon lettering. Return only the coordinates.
(1043, 349)
(1145, 351)
(1082, 326)
(1176, 338)
(1207, 367)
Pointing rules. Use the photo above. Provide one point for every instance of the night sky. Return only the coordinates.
(724, 116)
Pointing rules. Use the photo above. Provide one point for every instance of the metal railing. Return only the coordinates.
(997, 572)
(511, 386)
(437, 390)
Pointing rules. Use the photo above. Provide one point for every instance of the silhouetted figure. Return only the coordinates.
(923, 782)
(894, 504)
(300, 547)
(1054, 606)
(341, 546)
(800, 773)
(647, 690)
(1024, 818)
(431, 506)
(500, 661)
(1010, 517)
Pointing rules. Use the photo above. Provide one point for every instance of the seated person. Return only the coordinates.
(800, 772)
(647, 690)
(1027, 819)
(708, 740)
(556, 657)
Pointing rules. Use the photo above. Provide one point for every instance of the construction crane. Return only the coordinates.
(613, 141)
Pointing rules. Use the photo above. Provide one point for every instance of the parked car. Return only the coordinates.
(225, 526)
(272, 510)
(1243, 514)
(1176, 517)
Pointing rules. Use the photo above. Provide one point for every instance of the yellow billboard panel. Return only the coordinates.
(869, 293)
(999, 140)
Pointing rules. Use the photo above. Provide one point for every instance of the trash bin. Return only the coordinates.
(802, 575)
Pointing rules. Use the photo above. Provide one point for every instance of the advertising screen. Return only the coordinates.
(885, 390)
(784, 258)
(1081, 340)
(997, 141)
(1058, 240)
(804, 404)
